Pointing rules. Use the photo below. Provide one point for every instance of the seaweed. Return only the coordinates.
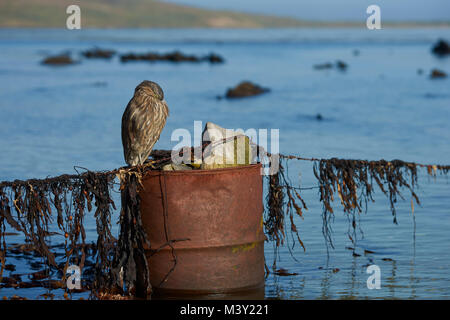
(353, 181)
(130, 271)
(32, 207)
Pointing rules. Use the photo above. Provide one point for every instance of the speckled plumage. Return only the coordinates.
(142, 122)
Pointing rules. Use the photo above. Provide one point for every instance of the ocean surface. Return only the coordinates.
(381, 107)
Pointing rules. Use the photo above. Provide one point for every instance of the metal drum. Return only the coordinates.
(206, 230)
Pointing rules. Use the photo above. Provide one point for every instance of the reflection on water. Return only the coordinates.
(250, 294)
(55, 118)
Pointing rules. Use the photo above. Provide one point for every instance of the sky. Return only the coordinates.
(335, 10)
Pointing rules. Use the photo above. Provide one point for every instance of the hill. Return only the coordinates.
(130, 14)
(154, 14)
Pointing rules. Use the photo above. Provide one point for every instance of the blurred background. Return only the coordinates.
(330, 10)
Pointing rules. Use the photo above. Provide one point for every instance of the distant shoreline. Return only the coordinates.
(152, 14)
(235, 28)
(303, 26)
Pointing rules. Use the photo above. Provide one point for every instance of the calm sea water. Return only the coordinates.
(54, 118)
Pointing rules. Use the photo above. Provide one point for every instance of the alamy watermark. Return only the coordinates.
(74, 19)
(374, 20)
(74, 279)
(374, 280)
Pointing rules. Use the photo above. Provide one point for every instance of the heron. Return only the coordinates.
(143, 121)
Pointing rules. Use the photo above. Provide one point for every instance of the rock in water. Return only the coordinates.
(214, 58)
(245, 89)
(98, 53)
(323, 66)
(441, 48)
(60, 60)
(174, 57)
(341, 65)
(437, 74)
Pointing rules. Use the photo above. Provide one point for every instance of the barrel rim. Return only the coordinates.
(204, 171)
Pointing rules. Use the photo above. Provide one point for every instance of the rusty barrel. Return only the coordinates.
(205, 228)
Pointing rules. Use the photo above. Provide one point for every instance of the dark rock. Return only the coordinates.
(245, 89)
(60, 60)
(175, 57)
(323, 66)
(341, 65)
(214, 58)
(319, 117)
(441, 48)
(140, 57)
(180, 57)
(98, 53)
(437, 74)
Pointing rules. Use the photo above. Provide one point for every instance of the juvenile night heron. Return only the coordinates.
(142, 122)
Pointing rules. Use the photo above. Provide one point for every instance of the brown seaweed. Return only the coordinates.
(33, 206)
(353, 182)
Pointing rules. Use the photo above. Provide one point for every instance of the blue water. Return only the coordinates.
(53, 118)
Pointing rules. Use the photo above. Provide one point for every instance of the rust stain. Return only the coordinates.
(261, 225)
(244, 247)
